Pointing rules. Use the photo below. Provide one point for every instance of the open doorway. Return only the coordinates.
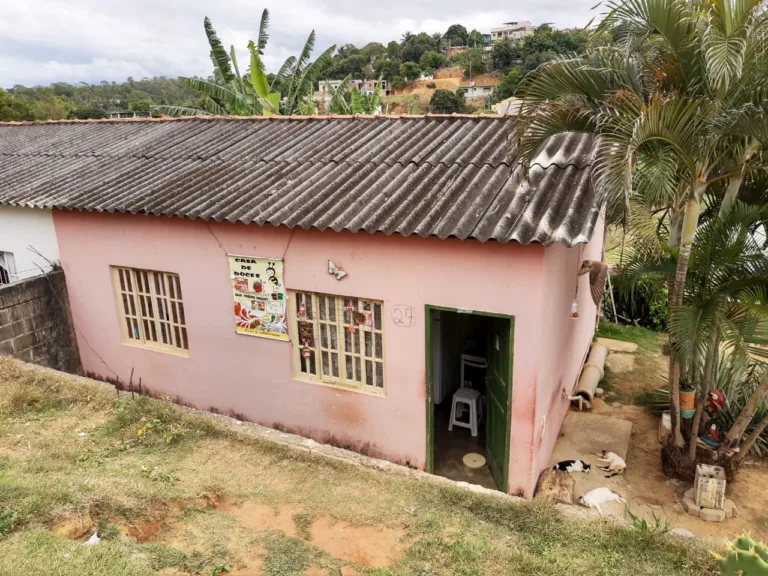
(469, 395)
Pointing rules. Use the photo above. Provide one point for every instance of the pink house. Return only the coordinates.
(341, 278)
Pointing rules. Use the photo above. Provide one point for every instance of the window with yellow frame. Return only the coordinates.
(151, 309)
(338, 340)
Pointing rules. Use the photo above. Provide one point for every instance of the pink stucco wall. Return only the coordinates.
(564, 341)
(253, 376)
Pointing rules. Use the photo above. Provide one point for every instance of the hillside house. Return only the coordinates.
(346, 281)
(512, 31)
(451, 51)
(474, 90)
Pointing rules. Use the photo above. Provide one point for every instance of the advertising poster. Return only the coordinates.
(260, 296)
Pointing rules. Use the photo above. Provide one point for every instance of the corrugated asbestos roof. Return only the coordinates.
(444, 176)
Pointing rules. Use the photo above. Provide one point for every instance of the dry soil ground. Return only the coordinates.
(651, 492)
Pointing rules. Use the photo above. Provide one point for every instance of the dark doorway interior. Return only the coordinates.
(456, 339)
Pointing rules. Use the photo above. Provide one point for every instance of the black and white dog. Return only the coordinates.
(573, 466)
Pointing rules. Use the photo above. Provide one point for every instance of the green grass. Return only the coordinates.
(189, 472)
(644, 338)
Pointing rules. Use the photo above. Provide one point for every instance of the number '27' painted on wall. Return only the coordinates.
(403, 315)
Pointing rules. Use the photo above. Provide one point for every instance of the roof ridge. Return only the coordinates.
(273, 118)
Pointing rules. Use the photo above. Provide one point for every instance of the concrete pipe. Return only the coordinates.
(591, 375)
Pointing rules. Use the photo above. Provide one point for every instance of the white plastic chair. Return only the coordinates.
(472, 399)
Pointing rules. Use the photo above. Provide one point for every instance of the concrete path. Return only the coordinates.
(583, 435)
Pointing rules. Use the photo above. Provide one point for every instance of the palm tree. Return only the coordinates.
(230, 93)
(680, 95)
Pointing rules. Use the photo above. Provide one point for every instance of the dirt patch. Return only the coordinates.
(146, 531)
(259, 516)
(650, 492)
(620, 362)
(74, 527)
(369, 546)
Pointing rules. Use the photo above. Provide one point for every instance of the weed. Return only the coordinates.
(163, 556)
(644, 526)
(24, 391)
(157, 475)
(303, 521)
(219, 568)
(107, 531)
(286, 556)
(8, 519)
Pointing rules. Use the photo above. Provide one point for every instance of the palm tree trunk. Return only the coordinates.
(752, 438)
(706, 383)
(688, 231)
(731, 194)
(744, 417)
(734, 185)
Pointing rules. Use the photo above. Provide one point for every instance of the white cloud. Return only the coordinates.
(43, 41)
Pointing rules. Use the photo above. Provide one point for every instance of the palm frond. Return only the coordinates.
(302, 83)
(218, 53)
(179, 111)
(282, 72)
(357, 105)
(263, 33)
(237, 104)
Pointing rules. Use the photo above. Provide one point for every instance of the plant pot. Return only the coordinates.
(687, 403)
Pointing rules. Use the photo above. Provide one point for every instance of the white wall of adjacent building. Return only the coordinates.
(21, 228)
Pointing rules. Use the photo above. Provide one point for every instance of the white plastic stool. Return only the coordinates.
(471, 398)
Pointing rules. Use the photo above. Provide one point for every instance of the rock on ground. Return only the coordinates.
(555, 486)
(730, 509)
(690, 506)
(682, 532)
(712, 515)
(620, 362)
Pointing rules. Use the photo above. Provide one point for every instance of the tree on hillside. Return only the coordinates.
(394, 49)
(457, 35)
(447, 102)
(87, 113)
(14, 110)
(508, 85)
(414, 46)
(473, 61)
(476, 38)
(387, 68)
(432, 60)
(373, 51)
(410, 71)
(439, 42)
(505, 54)
(679, 107)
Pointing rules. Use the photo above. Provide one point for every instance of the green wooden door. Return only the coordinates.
(498, 403)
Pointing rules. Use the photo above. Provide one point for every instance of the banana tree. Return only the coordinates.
(230, 93)
(364, 103)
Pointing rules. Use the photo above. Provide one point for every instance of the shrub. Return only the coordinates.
(447, 102)
(644, 303)
(431, 85)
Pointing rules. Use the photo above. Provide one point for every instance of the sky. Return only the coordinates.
(45, 41)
